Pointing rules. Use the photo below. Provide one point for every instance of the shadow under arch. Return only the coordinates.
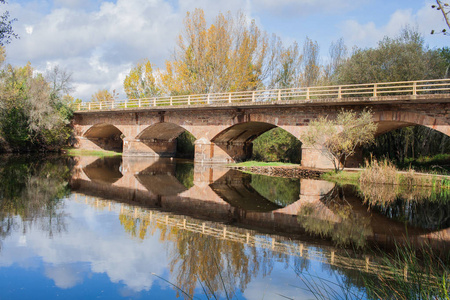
(241, 190)
(106, 136)
(162, 178)
(237, 140)
(162, 138)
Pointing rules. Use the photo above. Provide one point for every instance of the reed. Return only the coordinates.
(380, 172)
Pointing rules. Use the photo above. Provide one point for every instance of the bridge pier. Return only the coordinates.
(315, 158)
(208, 152)
(153, 147)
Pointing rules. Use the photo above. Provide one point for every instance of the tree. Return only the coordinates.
(338, 55)
(445, 10)
(311, 64)
(337, 139)
(6, 30)
(103, 96)
(140, 82)
(404, 58)
(29, 117)
(60, 83)
(284, 65)
(227, 56)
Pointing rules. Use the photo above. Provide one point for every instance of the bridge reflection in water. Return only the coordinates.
(299, 217)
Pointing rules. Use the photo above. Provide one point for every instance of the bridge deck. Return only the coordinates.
(385, 92)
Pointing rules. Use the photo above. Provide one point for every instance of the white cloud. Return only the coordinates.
(368, 34)
(95, 245)
(95, 45)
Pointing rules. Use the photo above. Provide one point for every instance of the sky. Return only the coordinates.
(98, 42)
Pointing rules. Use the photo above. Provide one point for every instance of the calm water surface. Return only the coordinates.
(116, 228)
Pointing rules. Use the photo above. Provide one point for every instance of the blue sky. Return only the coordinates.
(99, 41)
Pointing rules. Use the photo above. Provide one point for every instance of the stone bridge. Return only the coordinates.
(224, 125)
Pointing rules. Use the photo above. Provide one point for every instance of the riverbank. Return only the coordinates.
(277, 169)
(350, 176)
(81, 152)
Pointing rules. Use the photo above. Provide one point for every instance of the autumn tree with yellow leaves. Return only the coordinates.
(103, 95)
(140, 82)
(232, 54)
(227, 56)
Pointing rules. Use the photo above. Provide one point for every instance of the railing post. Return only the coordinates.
(126, 103)
(229, 98)
(301, 250)
(307, 93)
(154, 101)
(112, 104)
(101, 105)
(375, 90)
(171, 99)
(189, 100)
(139, 102)
(340, 92)
(253, 96)
(414, 88)
(79, 106)
(208, 99)
(224, 231)
(89, 106)
(279, 95)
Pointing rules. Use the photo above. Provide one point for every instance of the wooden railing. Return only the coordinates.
(309, 94)
(251, 238)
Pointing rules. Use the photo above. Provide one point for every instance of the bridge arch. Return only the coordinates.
(105, 136)
(391, 120)
(237, 140)
(159, 139)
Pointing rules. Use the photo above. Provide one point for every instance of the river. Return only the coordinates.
(145, 228)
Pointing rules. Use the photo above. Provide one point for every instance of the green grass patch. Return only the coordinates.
(99, 153)
(262, 164)
(342, 177)
(439, 164)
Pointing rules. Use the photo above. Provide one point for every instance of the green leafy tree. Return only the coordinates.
(403, 58)
(277, 145)
(32, 116)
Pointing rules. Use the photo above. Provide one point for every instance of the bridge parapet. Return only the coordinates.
(318, 94)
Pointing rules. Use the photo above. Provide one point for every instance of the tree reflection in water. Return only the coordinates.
(32, 189)
(344, 226)
(219, 265)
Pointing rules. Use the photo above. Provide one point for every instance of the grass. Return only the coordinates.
(343, 177)
(384, 172)
(99, 153)
(253, 163)
(439, 163)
